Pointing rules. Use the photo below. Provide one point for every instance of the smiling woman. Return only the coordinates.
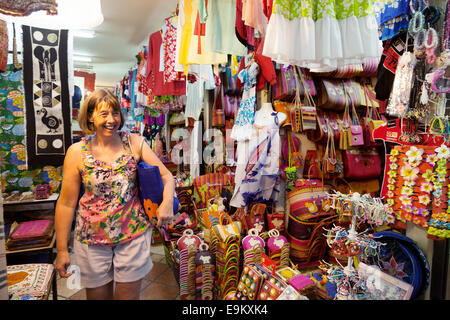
(99, 102)
(112, 228)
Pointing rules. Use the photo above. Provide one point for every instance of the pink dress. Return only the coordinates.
(170, 48)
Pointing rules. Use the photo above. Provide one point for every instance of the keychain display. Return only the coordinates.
(204, 273)
(187, 239)
(227, 266)
(368, 209)
(253, 246)
(351, 244)
(278, 248)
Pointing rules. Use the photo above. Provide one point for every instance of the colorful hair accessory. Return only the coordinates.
(440, 83)
(416, 23)
(419, 44)
(431, 43)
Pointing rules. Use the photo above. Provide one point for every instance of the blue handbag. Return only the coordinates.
(151, 189)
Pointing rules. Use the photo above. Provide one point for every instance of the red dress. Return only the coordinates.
(155, 78)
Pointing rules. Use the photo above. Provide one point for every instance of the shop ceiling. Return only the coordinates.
(125, 29)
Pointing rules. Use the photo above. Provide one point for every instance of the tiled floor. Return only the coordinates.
(159, 284)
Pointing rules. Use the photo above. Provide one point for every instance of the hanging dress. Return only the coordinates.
(322, 35)
(192, 44)
(170, 45)
(195, 91)
(220, 35)
(290, 34)
(256, 177)
(243, 126)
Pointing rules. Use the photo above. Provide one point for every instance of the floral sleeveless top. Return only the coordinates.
(110, 211)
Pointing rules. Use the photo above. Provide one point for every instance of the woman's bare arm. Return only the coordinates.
(66, 205)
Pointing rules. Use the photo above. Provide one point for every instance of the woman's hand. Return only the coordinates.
(62, 263)
(165, 213)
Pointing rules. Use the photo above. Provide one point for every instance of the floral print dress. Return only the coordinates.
(110, 211)
(243, 127)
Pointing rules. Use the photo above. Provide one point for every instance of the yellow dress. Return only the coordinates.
(192, 50)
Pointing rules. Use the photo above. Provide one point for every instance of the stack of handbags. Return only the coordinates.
(368, 68)
(309, 211)
(336, 94)
(321, 133)
(288, 82)
(208, 185)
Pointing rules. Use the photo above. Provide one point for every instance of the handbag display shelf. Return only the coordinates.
(309, 212)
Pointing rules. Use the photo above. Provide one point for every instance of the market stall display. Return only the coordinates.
(304, 138)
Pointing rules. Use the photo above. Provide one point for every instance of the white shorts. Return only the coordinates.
(126, 262)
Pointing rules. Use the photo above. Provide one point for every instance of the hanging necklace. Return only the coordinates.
(431, 42)
(446, 29)
(419, 44)
(416, 23)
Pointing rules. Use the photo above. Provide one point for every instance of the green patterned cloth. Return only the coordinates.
(292, 9)
(318, 9)
(14, 173)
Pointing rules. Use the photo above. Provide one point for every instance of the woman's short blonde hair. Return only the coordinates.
(91, 103)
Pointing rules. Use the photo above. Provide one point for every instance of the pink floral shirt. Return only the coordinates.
(110, 211)
(170, 44)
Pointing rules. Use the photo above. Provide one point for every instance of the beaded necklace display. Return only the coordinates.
(431, 42)
(417, 22)
(402, 86)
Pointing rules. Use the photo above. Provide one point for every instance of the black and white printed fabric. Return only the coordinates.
(47, 95)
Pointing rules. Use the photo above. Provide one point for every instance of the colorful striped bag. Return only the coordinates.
(209, 185)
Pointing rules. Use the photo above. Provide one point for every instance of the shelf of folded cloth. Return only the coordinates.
(30, 236)
(18, 205)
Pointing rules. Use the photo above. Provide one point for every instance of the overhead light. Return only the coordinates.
(84, 33)
(80, 14)
(82, 58)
